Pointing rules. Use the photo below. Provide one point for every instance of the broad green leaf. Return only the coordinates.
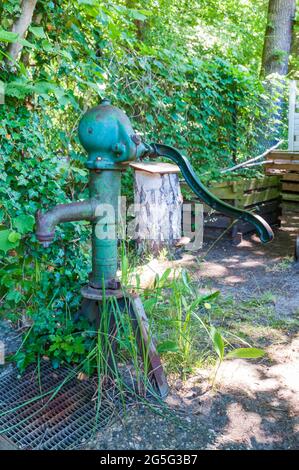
(46, 45)
(245, 353)
(18, 89)
(5, 243)
(8, 36)
(80, 171)
(38, 31)
(14, 237)
(137, 15)
(88, 2)
(167, 346)
(14, 295)
(26, 43)
(218, 342)
(24, 223)
(164, 277)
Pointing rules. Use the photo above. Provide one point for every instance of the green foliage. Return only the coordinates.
(209, 107)
(218, 342)
(245, 353)
(56, 338)
(34, 176)
(185, 321)
(185, 71)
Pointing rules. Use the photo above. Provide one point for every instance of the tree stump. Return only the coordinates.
(158, 206)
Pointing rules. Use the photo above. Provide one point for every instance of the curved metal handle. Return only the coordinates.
(263, 229)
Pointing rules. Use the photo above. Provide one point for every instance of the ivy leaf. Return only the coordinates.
(24, 223)
(38, 31)
(88, 2)
(14, 237)
(8, 241)
(137, 15)
(14, 295)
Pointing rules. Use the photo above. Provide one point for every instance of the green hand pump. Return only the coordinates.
(111, 144)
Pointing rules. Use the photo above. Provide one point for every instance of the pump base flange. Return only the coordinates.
(89, 292)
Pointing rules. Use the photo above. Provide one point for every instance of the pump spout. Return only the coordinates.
(46, 223)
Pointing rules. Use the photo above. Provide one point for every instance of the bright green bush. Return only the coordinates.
(32, 178)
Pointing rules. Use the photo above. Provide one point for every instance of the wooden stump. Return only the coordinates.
(158, 205)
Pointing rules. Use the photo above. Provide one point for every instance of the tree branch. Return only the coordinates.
(21, 26)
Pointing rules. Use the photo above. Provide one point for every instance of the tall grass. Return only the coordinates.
(187, 335)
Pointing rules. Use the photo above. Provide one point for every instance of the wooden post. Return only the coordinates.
(158, 205)
(292, 108)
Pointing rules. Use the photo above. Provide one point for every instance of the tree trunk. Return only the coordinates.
(278, 37)
(158, 206)
(293, 66)
(21, 26)
(141, 26)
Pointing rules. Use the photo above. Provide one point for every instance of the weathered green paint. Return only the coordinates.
(108, 137)
(61, 213)
(104, 186)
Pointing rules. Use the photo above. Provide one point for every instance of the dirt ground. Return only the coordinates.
(255, 404)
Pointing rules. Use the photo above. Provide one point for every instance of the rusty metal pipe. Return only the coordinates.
(74, 211)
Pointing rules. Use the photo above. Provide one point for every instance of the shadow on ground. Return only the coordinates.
(255, 405)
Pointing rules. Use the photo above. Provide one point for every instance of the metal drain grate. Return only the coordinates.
(54, 421)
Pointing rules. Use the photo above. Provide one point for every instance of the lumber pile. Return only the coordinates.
(285, 164)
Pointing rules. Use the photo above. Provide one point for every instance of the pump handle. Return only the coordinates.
(263, 229)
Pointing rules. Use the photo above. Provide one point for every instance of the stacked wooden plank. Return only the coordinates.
(285, 163)
(259, 195)
(280, 162)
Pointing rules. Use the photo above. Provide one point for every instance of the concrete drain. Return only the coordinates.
(52, 410)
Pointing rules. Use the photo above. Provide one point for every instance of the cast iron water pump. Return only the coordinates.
(111, 143)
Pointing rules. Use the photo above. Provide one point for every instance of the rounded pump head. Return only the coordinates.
(108, 137)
